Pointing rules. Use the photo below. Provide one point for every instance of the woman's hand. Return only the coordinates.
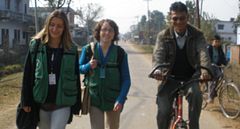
(27, 109)
(93, 63)
(117, 107)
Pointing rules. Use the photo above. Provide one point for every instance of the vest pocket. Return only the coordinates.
(70, 92)
(110, 95)
(70, 85)
(69, 97)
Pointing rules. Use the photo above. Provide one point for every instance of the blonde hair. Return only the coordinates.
(44, 33)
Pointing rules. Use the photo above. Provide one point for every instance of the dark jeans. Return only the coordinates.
(165, 102)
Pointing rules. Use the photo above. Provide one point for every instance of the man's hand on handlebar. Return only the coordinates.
(204, 77)
(158, 75)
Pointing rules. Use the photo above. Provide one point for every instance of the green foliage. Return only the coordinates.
(149, 28)
(191, 11)
(207, 26)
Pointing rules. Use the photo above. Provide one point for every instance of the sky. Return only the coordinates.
(129, 12)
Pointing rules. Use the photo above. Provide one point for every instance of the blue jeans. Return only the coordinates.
(56, 119)
(165, 102)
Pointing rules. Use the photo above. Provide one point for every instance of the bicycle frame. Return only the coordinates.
(178, 112)
(177, 118)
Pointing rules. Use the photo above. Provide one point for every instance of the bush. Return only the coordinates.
(10, 69)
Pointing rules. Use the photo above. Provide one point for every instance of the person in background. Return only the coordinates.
(52, 83)
(183, 47)
(106, 75)
(218, 58)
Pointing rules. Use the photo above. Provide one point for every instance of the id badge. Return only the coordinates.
(102, 72)
(52, 79)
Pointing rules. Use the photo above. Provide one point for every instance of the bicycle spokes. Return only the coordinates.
(229, 99)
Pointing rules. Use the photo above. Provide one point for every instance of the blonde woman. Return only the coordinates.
(51, 74)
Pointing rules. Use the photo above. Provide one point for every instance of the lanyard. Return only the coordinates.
(52, 61)
(54, 57)
(102, 58)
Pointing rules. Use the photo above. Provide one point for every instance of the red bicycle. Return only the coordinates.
(177, 120)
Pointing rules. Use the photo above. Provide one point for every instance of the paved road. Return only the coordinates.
(140, 108)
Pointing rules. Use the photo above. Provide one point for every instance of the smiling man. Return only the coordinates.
(184, 47)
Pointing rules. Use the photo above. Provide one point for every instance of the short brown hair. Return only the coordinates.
(98, 27)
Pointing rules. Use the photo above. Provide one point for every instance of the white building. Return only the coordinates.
(14, 22)
(227, 30)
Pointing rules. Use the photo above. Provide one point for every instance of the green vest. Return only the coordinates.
(67, 83)
(104, 91)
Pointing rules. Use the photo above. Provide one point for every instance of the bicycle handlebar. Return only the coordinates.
(164, 65)
(221, 66)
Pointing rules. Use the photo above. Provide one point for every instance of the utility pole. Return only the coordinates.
(36, 18)
(197, 13)
(148, 19)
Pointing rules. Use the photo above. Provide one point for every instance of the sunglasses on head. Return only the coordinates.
(181, 18)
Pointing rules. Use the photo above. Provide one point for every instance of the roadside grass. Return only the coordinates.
(10, 69)
(232, 72)
(148, 49)
(10, 87)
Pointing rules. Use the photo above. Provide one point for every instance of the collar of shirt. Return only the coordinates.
(181, 39)
(103, 58)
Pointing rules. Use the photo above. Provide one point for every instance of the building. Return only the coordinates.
(227, 30)
(14, 22)
(78, 33)
(43, 12)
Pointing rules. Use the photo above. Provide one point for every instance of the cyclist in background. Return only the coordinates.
(217, 58)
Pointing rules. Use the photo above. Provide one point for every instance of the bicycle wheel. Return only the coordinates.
(229, 99)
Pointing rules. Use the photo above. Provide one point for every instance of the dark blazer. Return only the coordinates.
(222, 59)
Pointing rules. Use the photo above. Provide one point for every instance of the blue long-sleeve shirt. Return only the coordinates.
(85, 66)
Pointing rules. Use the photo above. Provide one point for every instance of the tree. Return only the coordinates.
(56, 4)
(191, 11)
(88, 15)
(238, 19)
(207, 26)
(156, 24)
(143, 23)
(148, 29)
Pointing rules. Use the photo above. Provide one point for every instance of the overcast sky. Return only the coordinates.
(128, 12)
